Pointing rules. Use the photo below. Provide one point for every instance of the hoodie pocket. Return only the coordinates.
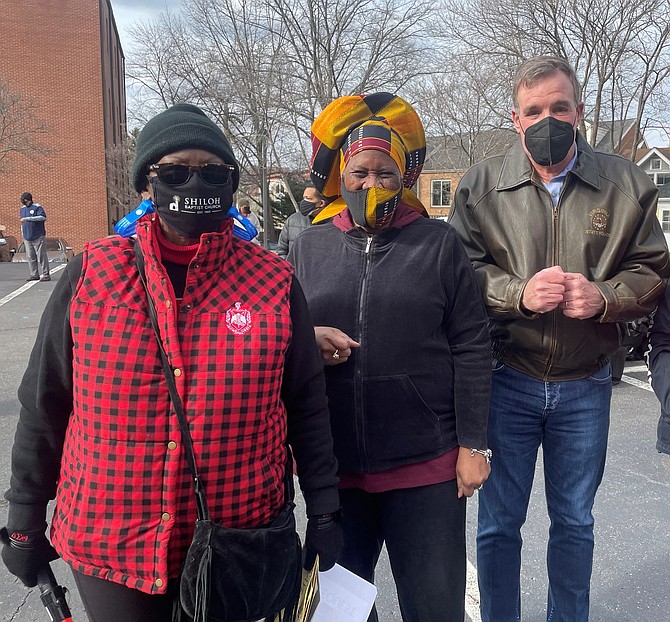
(399, 424)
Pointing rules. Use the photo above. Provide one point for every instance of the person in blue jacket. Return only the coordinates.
(34, 236)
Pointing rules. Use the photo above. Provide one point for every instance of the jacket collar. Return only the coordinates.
(517, 170)
(212, 250)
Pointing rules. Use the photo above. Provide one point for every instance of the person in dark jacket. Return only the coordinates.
(96, 428)
(403, 335)
(311, 205)
(658, 360)
(567, 247)
(34, 234)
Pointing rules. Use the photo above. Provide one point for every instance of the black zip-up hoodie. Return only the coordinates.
(419, 385)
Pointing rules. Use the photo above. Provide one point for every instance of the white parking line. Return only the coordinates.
(636, 368)
(27, 286)
(640, 384)
(472, 595)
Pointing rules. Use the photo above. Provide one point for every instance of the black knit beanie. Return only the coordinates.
(184, 126)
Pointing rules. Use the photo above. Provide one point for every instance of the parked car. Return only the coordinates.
(58, 251)
(8, 247)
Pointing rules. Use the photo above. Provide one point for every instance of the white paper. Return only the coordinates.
(344, 597)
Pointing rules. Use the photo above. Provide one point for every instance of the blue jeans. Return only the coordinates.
(571, 422)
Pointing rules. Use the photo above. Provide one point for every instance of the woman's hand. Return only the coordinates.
(471, 472)
(335, 346)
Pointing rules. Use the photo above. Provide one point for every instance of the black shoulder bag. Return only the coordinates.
(233, 575)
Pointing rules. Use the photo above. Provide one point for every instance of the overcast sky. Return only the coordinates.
(126, 12)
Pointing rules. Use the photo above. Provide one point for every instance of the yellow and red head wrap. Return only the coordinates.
(355, 123)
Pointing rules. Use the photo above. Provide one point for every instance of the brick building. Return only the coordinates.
(447, 160)
(64, 56)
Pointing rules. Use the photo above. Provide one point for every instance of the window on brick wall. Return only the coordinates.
(440, 193)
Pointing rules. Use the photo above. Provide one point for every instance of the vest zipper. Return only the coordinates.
(358, 387)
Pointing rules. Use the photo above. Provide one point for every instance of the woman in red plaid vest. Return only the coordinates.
(96, 428)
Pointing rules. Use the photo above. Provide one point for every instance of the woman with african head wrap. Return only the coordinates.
(403, 334)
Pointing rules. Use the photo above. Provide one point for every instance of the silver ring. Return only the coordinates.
(336, 354)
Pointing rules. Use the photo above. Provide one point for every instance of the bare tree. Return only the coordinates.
(652, 51)
(340, 47)
(119, 159)
(344, 47)
(22, 131)
(619, 48)
(264, 68)
(467, 107)
(154, 69)
(221, 58)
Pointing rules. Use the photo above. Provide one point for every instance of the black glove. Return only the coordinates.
(25, 553)
(323, 538)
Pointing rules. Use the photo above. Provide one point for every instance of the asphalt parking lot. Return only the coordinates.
(632, 561)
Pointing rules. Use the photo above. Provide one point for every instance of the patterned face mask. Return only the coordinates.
(371, 207)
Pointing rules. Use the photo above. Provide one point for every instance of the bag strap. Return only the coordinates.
(200, 500)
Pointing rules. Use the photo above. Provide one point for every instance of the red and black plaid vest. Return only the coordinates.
(125, 504)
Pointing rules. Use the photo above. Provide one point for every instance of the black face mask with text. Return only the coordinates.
(194, 207)
(549, 141)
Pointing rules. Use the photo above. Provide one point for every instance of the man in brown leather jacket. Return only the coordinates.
(566, 246)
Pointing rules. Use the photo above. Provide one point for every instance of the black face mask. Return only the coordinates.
(194, 207)
(306, 207)
(549, 141)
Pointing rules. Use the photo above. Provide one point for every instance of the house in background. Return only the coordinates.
(251, 189)
(655, 161)
(616, 137)
(447, 159)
